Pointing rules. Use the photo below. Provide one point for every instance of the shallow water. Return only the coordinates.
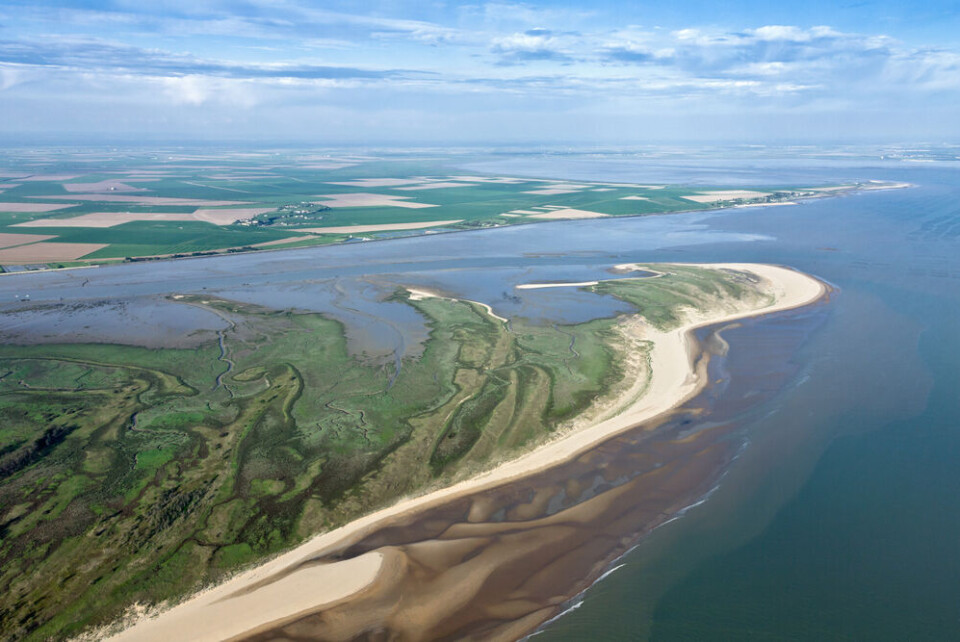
(839, 518)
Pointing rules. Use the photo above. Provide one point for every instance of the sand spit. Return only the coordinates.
(302, 589)
(419, 294)
(540, 286)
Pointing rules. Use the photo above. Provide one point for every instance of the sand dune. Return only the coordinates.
(294, 585)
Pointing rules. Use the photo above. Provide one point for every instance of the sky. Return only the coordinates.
(401, 72)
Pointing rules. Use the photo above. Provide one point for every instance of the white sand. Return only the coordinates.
(540, 286)
(34, 207)
(362, 199)
(634, 198)
(232, 609)
(386, 227)
(568, 213)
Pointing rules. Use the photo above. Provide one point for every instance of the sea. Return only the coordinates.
(840, 516)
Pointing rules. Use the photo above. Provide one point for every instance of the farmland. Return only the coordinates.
(101, 208)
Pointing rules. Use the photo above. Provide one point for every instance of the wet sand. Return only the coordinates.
(495, 556)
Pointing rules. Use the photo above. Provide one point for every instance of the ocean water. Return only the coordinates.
(838, 520)
(841, 520)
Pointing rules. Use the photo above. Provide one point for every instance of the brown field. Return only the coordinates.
(34, 207)
(369, 200)
(49, 177)
(107, 186)
(226, 217)
(388, 227)
(105, 219)
(44, 252)
(144, 200)
(9, 240)
(292, 239)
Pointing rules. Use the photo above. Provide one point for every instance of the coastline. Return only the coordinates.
(297, 583)
(278, 246)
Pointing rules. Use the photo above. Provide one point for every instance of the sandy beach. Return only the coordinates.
(300, 582)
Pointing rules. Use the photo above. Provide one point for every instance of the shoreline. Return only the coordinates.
(274, 246)
(293, 584)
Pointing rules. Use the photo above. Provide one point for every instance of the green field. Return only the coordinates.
(284, 184)
(132, 475)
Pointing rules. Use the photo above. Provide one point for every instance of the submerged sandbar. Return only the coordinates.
(459, 563)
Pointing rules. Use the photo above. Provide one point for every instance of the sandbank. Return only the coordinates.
(540, 286)
(294, 583)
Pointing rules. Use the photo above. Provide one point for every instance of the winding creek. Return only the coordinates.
(826, 448)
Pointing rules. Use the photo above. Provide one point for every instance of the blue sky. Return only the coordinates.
(496, 72)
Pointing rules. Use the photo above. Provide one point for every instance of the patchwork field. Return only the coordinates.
(129, 207)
